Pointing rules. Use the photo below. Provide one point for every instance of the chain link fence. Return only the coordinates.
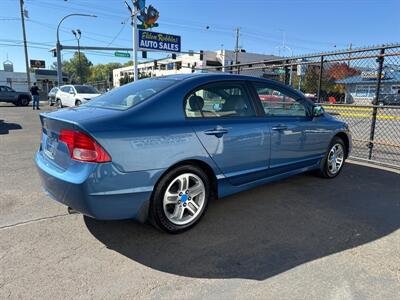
(359, 86)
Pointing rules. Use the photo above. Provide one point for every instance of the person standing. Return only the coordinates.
(35, 95)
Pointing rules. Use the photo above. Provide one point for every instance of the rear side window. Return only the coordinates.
(279, 103)
(219, 100)
(86, 89)
(131, 94)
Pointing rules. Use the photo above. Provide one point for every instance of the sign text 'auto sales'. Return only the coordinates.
(159, 41)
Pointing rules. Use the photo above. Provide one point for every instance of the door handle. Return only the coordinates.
(218, 131)
(279, 127)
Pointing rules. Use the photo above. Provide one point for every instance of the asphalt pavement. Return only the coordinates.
(300, 238)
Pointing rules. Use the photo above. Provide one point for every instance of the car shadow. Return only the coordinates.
(6, 127)
(268, 230)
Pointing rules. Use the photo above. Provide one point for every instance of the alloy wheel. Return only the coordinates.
(335, 158)
(184, 199)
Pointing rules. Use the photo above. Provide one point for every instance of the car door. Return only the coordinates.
(224, 118)
(8, 93)
(67, 97)
(296, 140)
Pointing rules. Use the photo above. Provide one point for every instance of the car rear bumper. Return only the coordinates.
(100, 191)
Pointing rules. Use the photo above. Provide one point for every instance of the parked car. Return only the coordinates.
(7, 94)
(52, 96)
(75, 95)
(389, 99)
(159, 149)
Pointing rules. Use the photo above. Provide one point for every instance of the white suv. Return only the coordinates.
(75, 95)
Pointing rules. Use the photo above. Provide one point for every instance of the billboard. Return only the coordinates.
(37, 64)
(159, 41)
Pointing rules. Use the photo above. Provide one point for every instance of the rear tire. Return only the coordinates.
(334, 159)
(180, 199)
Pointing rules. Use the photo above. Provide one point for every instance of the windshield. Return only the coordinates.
(86, 89)
(131, 94)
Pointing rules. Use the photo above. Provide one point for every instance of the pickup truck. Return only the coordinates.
(7, 94)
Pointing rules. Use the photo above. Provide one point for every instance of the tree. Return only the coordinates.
(340, 71)
(127, 79)
(102, 71)
(78, 71)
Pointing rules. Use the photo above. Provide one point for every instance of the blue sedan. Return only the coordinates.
(160, 149)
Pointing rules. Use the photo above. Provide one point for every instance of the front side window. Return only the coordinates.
(131, 94)
(278, 103)
(219, 100)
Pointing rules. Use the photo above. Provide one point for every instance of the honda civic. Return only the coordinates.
(160, 149)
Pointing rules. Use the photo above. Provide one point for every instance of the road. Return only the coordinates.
(301, 238)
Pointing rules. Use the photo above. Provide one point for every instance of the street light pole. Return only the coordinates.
(77, 35)
(58, 46)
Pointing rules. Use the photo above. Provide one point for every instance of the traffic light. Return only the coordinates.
(155, 64)
(173, 55)
(201, 54)
(54, 53)
(144, 54)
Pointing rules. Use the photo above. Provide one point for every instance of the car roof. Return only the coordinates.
(206, 75)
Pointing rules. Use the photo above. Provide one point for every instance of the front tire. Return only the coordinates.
(78, 102)
(334, 159)
(180, 199)
(59, 103)
(23, 101)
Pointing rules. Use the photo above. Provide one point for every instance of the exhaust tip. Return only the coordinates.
(72, 211)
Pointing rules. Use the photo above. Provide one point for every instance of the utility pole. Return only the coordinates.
(28, 74)
(350, 48)
(237, 45)
(133, 13)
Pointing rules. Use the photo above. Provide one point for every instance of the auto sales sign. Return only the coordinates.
(159, 41)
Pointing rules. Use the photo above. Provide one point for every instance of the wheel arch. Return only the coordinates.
(200, 164)
(345, 138)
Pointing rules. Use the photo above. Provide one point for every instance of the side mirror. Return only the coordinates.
(72, 92)
(318, 111)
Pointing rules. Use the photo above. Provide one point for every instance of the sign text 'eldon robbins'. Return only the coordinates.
(159, 41)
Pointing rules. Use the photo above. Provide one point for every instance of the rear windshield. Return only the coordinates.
(86, 89)
(131, 94)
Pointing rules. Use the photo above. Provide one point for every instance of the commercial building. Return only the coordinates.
(45, 80)
(361, 89)
(188, 63)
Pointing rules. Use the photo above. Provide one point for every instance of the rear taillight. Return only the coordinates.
(82, 147)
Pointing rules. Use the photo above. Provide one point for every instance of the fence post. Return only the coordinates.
(380, 61)
(321, 67)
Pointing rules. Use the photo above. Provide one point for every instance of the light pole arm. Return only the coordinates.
(58, 45)
(67, 16)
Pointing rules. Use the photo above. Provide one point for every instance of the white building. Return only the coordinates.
(187, 63)
(16, 80)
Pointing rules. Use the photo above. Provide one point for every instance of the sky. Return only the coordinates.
(306, 26)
